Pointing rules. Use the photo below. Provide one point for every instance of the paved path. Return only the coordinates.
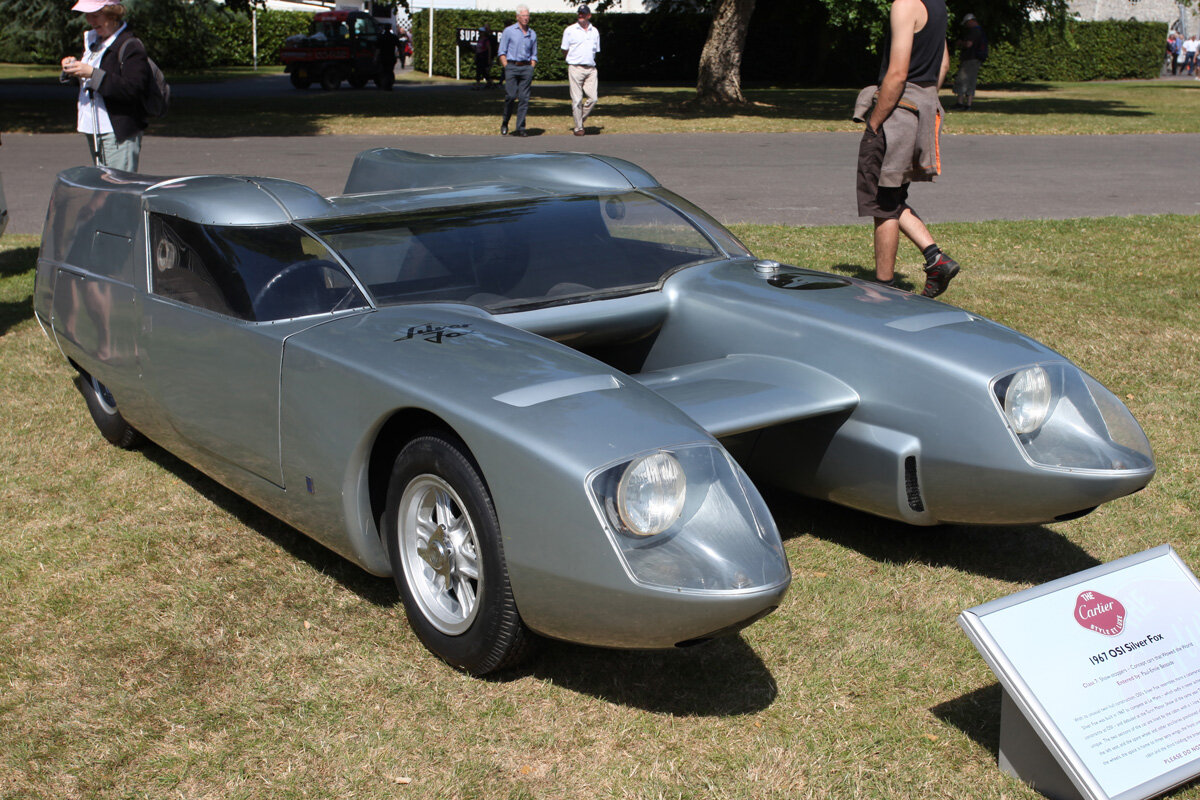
(792, 178)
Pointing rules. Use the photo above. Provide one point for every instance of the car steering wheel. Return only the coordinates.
(284, 275)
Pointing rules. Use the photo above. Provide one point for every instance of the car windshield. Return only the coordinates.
(517, 255)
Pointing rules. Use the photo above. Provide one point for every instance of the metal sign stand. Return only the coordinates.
(1024, 756)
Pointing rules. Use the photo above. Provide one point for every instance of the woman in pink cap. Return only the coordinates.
(113, 77)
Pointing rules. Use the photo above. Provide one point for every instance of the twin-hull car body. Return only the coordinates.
(531, 387)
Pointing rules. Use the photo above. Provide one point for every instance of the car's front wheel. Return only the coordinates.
(103, 408)
(447, 557)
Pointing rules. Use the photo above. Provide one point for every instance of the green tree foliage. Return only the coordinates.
(179, 34)
(39, 31)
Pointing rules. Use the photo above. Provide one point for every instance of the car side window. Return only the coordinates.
(254, 273)
(640, 219)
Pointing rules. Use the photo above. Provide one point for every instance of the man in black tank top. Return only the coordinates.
(915, 60)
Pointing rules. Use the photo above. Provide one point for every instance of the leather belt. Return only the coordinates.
(512, 63)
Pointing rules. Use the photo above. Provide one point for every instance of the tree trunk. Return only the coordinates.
(721, 60)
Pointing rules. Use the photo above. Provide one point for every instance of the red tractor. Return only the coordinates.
(342, 46)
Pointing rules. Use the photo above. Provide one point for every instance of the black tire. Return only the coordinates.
(103, 408)
(300, 78)
(331, 78)
(440, 527)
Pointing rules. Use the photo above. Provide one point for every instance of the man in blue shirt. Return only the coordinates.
(518, 56)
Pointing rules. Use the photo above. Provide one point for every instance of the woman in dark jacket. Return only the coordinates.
(111, 88)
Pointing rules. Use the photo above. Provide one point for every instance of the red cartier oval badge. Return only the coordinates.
(1100, 613)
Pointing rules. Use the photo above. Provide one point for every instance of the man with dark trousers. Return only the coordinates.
(900, 144)
(518, 56)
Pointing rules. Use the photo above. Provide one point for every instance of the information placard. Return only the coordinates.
(1105, 667)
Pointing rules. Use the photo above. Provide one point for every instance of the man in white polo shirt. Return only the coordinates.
(580, 43)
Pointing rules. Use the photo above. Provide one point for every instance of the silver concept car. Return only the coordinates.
(530, 387)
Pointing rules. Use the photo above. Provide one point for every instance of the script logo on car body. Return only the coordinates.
(435, 333)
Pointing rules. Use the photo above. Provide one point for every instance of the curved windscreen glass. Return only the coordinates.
(518, 254)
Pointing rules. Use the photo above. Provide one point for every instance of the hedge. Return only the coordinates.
(202, 35)
(651, 48)
(1079, 51)
(234, 34)
(643, 48)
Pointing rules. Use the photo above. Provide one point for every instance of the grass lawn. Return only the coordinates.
(161, 637)
(423, 106)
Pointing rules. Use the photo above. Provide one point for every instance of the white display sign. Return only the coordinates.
(1105, 667)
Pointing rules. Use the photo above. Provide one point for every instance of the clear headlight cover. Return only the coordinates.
(689, 519)
(1064, 418)
(650, 493)
(1027, 399)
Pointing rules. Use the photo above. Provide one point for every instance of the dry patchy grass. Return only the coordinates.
(163, 638)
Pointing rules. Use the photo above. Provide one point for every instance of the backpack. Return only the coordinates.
(154, 104)
(981, 49)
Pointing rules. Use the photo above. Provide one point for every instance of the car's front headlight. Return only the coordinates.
(688, 518)
(1062, 417)
(1026, 399)
(650, 493)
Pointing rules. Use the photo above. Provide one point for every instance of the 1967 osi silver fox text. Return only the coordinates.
(530, 387)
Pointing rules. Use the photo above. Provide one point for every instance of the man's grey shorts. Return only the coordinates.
(881, 202)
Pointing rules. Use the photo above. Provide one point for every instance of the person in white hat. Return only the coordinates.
(113, 76)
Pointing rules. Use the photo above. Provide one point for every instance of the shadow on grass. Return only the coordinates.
(724, 677)
(1031, 106)
(375, 590)
(1015, 553)
(977, 714)
(284, 111)
(17, 261)
(14, 313)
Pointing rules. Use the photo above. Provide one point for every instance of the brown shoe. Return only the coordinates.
(579, 132)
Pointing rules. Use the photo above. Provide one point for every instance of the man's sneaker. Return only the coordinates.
(939, 274)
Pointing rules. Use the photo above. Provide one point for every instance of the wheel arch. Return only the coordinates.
(398, 430)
